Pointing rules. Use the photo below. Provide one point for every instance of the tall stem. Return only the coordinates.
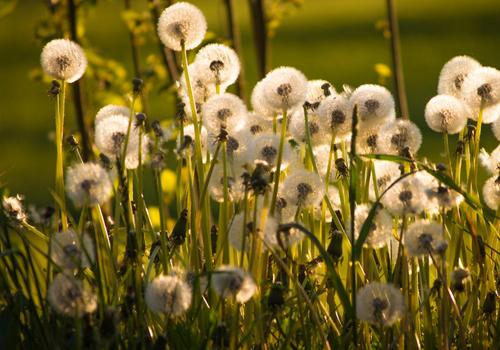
(397, 64)
(60, 155)
(278, 162)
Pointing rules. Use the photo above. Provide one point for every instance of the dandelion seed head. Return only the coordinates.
(375, 104)
(89, 184)
(235, 185)
(71, 297)
(303, 188)
(446, 114)
(63, 59)
(224, 111)
(379, 303)
(182, 22)
(423, 238)
(201, 86)
(13, 208)
(322, 156)
(405, 197)
(368, 140)
(334, 198)
(398, 135)
(220, 62)
(336, 115)
(297, 128)
(259, 103)
(284, 88)
(481, 90)
(257, 124)
(491, 193)
(380, 231)
(317, 91)
(111, 110)
(189, 133)
(264, 148)
(281, 238)
(70, 250)
(229, 281)
(168, 294)
(241, 237)
(453, 74)
(386, 172)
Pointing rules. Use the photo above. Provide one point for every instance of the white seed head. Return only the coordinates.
(229, 281)
(336, 115)
(225, 110)
(89, 184)
(297, 128)
(71, 297)
(423, 238)
(190, 134)
(63, 59)
(279, 238)
(375, 104)
(368, 140)
(317, 91)
(303, 188)
(379, 303)
(264, 149)
(446, 114)
(69, 250)
(405, 197)
(240, 236)
(386, 173)
(259, 103)
(491, 193)
(257, 124)
(235, 186)
(398, 135)
(481, 90)
(236, 147)
(182, 22)
(453, 74)
(220, 62)
(440, 197)
(201, 87)
(13, 208)
(284, 88)
(380, 231)
(111, 110)
(322, 157)
(334, 197)
(490, 162)
(169, 294)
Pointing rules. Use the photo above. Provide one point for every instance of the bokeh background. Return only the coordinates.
(337, 40)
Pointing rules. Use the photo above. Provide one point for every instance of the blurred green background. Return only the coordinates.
(336, 40)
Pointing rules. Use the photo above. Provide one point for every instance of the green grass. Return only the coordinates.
(334, 40)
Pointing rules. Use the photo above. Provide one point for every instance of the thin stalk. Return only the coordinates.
(225, 204)
(447, 152)
(278, 162)
(60, 154)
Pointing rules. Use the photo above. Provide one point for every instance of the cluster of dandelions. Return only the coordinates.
(284, 161)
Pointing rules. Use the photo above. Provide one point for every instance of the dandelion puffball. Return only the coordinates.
(168, 294)
(297, 128)
(182, 23)
(491, 193)
(69, 250)
(481, 91)
(284, 88)
(71, 297)
(88, 184)
(399, 135)
(264, 149)
(375, 104)
(405, 197)
(223, 111)
(303, 188)
(220, 62)
(380, 230)
(336, 115)
(379, 303)
(228, 281)
(453, 74)
(423, 238)
(235, 185)
(317, 91)
(63, 59)
(111, 110)
(13, 208)
(446, 114)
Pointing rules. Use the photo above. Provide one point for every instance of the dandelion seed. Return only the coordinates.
(396, 136)
(188, 143)
(182, 23)
(220, 62)
(110, 136)
(368, 140)
(236, 147)
(201, 86)
(439, 195)
(14, 209)
(257, 124)
(281, 238)
(285, 211)
(224, 111)
(111, 110)
(379, 303)
(284, 88)
(228, 281)
(446, 114)
(168, 294)
(481, 90)
(238, 233)
(297, 128)
(375, 104)
(259, 103)
(336, 116)
(423, 238)
(303, 188)
(321, 156)
(88, 184)
(264, 149)
(386, 173)
(405, 197)
(490, 162)
(380, 231)
(235, 185)
(70, 250)
(334, 198)
(453, 74)
(64, 60)
(491, 193)
(71, 297)
(317, 91)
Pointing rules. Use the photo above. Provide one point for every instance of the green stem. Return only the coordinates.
(278, 162)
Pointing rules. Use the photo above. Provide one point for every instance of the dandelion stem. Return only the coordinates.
(277, 173)
(60, 154)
